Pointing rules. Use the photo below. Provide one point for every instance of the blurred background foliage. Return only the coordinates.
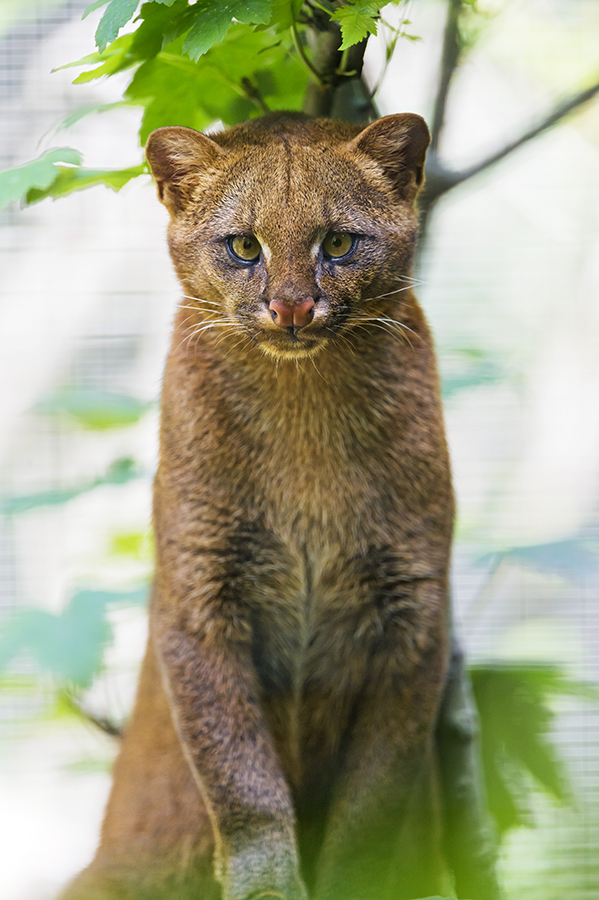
(79, 445)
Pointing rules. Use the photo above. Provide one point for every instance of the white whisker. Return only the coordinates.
(200, 300)
(391, 326)
(316, 367)
(388, 293)
(389, 321)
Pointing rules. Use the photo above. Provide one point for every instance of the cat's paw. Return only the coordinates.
(263, 870)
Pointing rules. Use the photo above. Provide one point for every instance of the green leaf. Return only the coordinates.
(113, 59)
(69, 645)
(86, 110)
(136, 544)
(118, 13)
(211, 22)
(93, 6)
(96, 410)
(466, 367)
(37, 174)
(119, 472)
(572, 559)
(160, 24)
(357, 21)
(176, 91)
(515, 718)
(76, 179)
(283, 14)
(174, 94)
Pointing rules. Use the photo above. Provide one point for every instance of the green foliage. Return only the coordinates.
(224, 84)
(472, 22)
(39, 174)
(194, 63)
(77, 178)
(70, 645)
(357, 21)
(119, 472)
(43, 177)
(203, 23)
(113, 59)
(515, 719)
(134, 544)
(117, 14)
(93, 409)
(469, 367)
(211, 22)
(572, 559)
(97, 4)
(83, 111)
(284, 14)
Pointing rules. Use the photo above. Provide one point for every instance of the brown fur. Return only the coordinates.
(303, 515)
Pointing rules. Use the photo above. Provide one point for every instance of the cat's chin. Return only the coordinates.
(291, 351)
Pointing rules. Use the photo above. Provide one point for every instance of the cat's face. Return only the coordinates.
(288, 232)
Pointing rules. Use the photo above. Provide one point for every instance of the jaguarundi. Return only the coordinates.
(281, 744)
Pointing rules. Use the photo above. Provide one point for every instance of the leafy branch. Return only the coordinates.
(193, 63)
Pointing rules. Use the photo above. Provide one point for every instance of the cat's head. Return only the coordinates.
(288, 230)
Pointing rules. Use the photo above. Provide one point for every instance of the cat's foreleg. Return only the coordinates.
(389, 747)
(211, 685)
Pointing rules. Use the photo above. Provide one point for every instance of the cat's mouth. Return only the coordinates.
(288, 344)
(290, 331)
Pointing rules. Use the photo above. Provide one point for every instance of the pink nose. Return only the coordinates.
(292, 315)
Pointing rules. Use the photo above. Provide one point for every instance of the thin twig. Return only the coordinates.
(104, 724)
(560, 112)
(440, 180)
(253, 94)
(302, 55)
(450, 58)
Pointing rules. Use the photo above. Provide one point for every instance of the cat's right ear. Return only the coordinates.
(176, 155)
(398, 144)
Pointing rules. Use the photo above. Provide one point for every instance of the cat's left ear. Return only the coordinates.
(398, 144)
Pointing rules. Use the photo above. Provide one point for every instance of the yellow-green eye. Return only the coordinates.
(337, 244)
(245, 247)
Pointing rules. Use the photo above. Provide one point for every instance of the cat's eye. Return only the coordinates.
(338, 244)
(244, 247)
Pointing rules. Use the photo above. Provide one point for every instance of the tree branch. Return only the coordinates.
(104, 724)
(253, 94)
(339, 92)
(450, 57)
(442, 179)
(560, 112)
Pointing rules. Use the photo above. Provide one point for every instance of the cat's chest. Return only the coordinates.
(319, 464)
(312, 602)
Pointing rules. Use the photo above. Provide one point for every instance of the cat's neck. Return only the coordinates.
(353, 381)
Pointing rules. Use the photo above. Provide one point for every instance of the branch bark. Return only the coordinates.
(439, 178)
(339, 91)
(450, 58)
(108, 726)
(444, 179)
